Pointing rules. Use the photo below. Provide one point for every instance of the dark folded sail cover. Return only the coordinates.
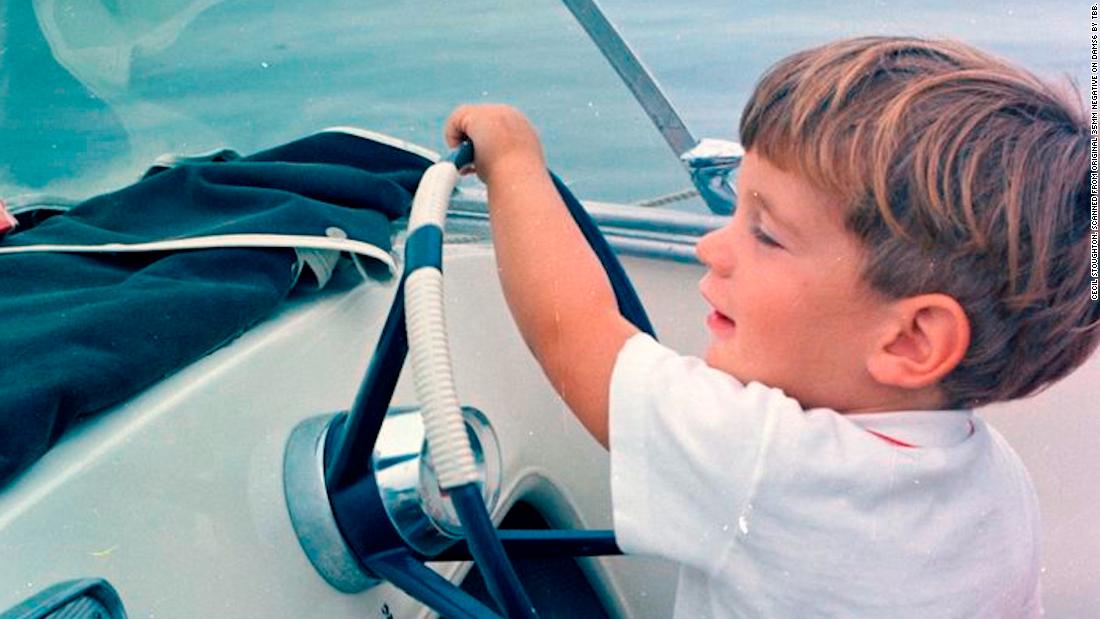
(83, 331)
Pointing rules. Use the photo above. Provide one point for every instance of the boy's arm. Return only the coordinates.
(555, 286)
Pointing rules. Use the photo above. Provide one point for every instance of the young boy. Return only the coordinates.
(911, 241)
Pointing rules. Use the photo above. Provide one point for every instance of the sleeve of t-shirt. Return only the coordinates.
(688, 444)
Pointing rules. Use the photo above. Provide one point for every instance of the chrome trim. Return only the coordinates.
(310, 510)
(418, 508)
(712, 164)
(409, 489)
(662, 234)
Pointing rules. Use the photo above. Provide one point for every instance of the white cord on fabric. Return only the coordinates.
(429, 350)
(219, 241)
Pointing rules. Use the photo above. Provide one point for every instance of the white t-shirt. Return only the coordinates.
(776, 511)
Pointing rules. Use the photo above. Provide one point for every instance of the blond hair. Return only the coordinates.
(960, 174)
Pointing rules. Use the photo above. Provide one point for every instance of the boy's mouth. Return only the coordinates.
(720, 324)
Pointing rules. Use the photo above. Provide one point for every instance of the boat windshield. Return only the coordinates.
(92, 91)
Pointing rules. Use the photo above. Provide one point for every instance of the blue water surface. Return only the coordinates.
(92, 90)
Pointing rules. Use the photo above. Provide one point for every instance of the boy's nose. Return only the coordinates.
(713, 250)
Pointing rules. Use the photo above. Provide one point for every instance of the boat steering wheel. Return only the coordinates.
(352, 511)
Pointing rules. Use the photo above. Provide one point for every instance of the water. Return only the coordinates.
(92, 90)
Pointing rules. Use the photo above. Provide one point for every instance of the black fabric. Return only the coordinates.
(82, 332)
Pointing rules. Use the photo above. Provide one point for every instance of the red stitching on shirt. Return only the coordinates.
(892, 440)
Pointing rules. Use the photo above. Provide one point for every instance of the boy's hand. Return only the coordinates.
(503, 138)
(556, 289)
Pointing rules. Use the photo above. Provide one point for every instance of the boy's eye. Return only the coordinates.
(764, 238)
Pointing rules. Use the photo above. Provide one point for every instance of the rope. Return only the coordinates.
(669, 198)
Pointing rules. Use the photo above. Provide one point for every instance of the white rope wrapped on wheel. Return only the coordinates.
(429, 350)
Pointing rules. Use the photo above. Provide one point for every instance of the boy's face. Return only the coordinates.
(789, 307)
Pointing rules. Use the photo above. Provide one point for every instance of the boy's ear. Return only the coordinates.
(924, 338)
